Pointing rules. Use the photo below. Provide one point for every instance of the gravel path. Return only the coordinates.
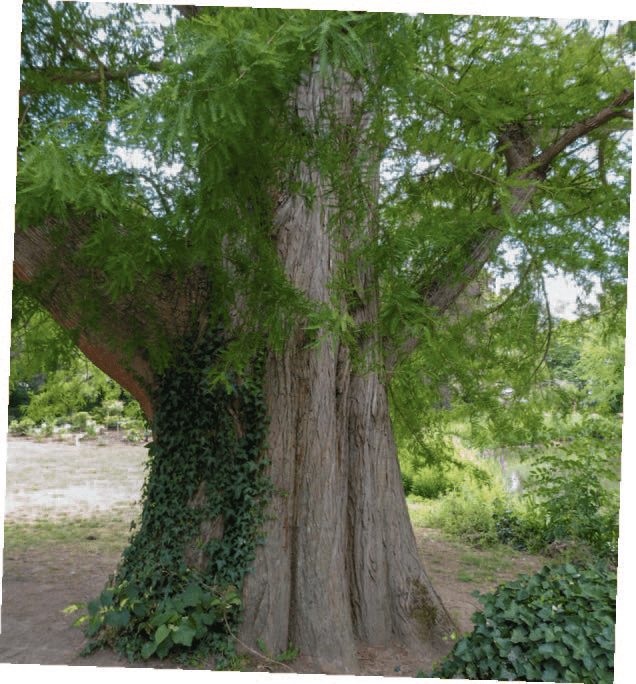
(53, 479)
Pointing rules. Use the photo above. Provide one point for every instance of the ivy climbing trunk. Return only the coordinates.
(339, 566)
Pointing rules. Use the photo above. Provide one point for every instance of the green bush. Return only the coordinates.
(99, 415)
(468, 511)
(431, 466)
(601, 427)
(24, 427)
(427, 483)
(556, 626)
(79, 421)
(115, 407)
(111, 422)
(566, 490)
(521, 531)
(18, 400)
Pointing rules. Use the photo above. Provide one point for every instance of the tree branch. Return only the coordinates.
(160, 308)
(93, 77)
(582, 128)
(517, 146)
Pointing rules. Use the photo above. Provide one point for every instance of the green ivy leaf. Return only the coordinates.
(148, 649)
(117, 618)
(162, 634)
(184, 633)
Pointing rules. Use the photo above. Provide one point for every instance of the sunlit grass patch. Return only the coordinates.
(106, 533)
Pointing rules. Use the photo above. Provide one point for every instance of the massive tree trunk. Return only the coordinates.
(340, 563)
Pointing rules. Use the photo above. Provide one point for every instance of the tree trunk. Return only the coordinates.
(339, 564)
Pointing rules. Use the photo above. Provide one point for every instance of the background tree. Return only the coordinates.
(274, 269)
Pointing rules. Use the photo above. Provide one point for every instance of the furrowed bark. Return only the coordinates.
(339, 566)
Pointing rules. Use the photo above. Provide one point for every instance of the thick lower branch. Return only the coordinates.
(162, 308)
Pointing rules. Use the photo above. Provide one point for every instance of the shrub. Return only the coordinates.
(432, 466)
(567, 492)
(427, 482)
(79, 421)
(557, 626)
(112, 422)
(468, 511)
(521, 532)
(99, 415)
(115, 407)
(24, 427)
(601, 427)
(18, 400)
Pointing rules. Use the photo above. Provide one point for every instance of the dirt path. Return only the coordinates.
(42, 578)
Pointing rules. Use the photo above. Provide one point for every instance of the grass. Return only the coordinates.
(111, 534)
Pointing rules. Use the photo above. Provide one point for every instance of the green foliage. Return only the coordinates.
(590, 353)
(24, 427)
(467, 511)
(520, 530)
(219, 109)
(556, 626)
(289, 654)
(209, 440)
(426, 483)
(79, 420)
(39, 345)
(213, 100)
(50, 379)
(68, 390)
(568, 492)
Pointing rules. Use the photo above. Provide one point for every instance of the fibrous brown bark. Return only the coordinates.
(39, 256)
(339, 564)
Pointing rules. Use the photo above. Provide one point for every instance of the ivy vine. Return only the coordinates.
(176, 591)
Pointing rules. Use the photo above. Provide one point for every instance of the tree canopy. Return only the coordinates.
(492, 133)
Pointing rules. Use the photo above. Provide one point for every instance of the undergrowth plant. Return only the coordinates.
(569, 494)
(554, 626)
(468, 511)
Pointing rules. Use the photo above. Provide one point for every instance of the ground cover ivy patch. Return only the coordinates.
(177, 589)
(556, 626)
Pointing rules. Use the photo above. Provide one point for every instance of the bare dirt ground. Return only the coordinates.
(52, 480)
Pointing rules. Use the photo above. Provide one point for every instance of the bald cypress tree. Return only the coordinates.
(317, 190)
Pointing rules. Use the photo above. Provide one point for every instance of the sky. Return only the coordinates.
(9, 58)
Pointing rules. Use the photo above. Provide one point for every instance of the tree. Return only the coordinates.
(276, 270)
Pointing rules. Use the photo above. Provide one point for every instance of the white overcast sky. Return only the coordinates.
(10, 50)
